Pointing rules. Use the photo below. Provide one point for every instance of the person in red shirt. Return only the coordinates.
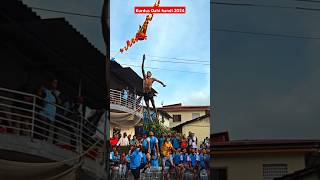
(184, 142)
(114, 141)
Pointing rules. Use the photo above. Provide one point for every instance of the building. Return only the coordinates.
(259, 159)
(189, 118)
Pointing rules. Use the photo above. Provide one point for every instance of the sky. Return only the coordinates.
(184, 36)
(174, 36)
(266, 87)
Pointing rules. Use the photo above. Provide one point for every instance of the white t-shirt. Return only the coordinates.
(123, 141)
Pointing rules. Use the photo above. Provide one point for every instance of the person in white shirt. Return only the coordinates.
(123, 141)
(194, 141)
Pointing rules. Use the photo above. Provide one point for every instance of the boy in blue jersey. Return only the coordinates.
(186, 161)
(203, 161)
(178, 161)
(153, 148)
(135, 162)
(175, 141)
(194, 157)
(116, 158)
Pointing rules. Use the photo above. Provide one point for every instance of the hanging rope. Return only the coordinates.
(141, 34)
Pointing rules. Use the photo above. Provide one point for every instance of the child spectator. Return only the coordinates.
(123, 166)
(194, 157)
(178, 161)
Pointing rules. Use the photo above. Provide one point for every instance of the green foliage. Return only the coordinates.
(157, 127)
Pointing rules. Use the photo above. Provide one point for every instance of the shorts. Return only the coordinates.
(136, 173)
(153, 154)
(148, 96)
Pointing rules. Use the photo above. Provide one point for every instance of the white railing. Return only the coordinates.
(20, 115)
(129, 100)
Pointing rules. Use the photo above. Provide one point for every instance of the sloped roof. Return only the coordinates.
(180, 107)
(265, 145)
(54, 45)
(191, 121)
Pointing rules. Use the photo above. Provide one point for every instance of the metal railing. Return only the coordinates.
(23, 114)
(129, 100)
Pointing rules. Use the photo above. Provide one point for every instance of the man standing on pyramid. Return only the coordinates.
(147, 88)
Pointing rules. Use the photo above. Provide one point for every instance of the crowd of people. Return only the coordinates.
(173, 154)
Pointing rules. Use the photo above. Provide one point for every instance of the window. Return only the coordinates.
(271, 171)
(195, 115)
(176, 118)
(219, 173)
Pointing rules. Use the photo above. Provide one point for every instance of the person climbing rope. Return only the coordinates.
(147, 88)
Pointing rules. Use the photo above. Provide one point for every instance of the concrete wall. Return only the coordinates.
(201, 129)
(250, 167)
(185, 116)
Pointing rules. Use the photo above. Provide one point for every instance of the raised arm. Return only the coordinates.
(142, 67)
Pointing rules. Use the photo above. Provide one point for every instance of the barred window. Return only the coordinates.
(271, 171)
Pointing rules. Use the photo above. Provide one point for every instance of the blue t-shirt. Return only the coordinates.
(145, 144)
(177, 159)
(153, 141)
(135, 159)
(186, 158)
(202, 161)
(154, 163)
(111, 155)
(125, 94)
(175, 143)
(116, 158)
(128, 158)
(49, 109)
(193, 159)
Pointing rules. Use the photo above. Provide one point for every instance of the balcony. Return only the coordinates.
(125, 112)
(70, 140)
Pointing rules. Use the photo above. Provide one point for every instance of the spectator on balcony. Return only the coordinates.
(125, 96)
(50, 97)
(123, 141)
